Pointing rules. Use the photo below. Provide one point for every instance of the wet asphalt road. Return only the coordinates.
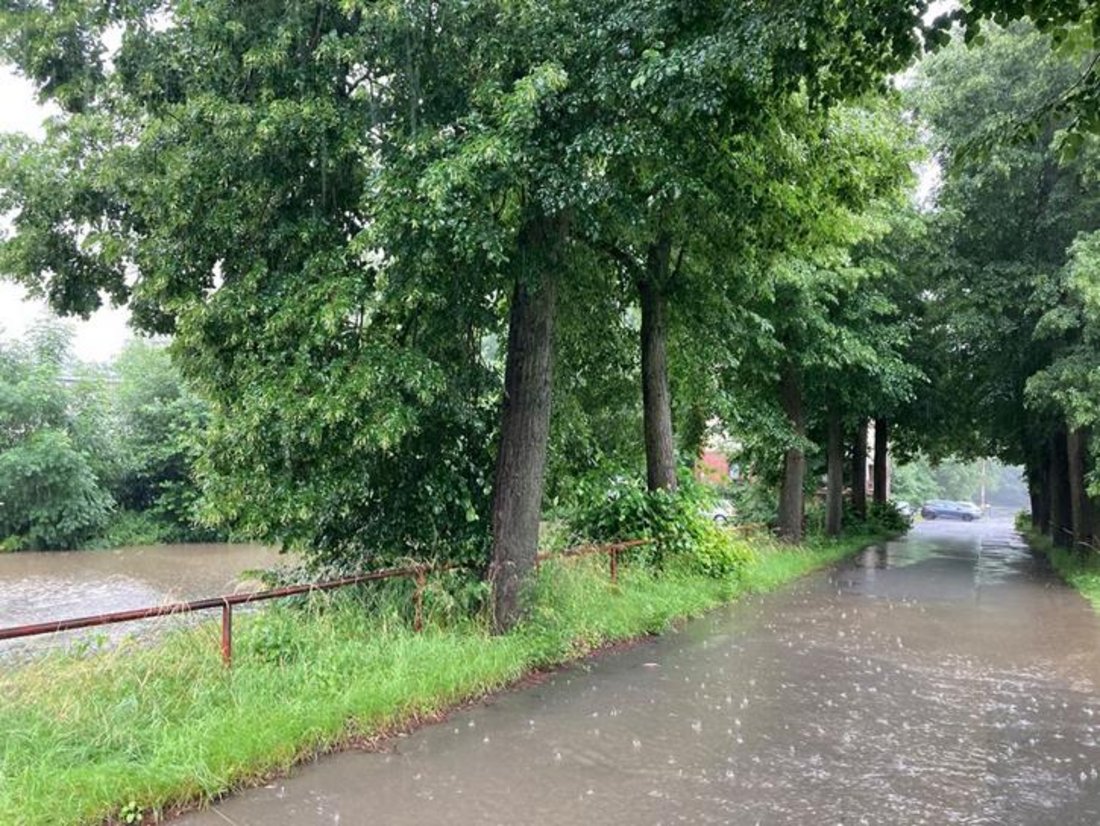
(944, 678)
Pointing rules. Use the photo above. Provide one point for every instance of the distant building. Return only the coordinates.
(712, 468)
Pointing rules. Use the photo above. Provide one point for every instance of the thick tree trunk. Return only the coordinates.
(660, 449)
(525, 419)
(834, 504)
(791, 493)
(1038, 491)
(1080, 504)
(1061, 508)
(882, 467)
(1034, 498)
(859, 471)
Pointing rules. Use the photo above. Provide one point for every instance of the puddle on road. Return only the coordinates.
(944, 678)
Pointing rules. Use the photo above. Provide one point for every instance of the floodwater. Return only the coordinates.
(39, 587)
(947, 678)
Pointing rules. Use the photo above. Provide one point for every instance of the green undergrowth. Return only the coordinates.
(1080, 571)
(146, 727)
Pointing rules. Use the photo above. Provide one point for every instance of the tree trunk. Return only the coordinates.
(1061, 508)
(859, 471)
(525, 418)
(792, 493)
(660, 449)
(834, 519)
(881, 468)
(1080, 504)
(1038, 485)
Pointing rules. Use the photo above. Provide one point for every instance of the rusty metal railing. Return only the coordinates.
(612, 550)
(419, 573)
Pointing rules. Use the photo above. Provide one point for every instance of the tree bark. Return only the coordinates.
(834, 517)
(1061, 509)
(1038, 485)
(859, 471)
(1080, 504)
(881, 468)
(660, 448)
(525, 418)
(792, 494)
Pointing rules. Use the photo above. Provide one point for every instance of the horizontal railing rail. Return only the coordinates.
(227, 602)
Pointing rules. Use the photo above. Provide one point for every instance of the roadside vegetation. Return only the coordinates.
(1078, 567)
(431, 268)
(145, 728)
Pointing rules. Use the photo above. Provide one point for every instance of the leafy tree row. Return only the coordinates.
(389, 237)
(1008, 264)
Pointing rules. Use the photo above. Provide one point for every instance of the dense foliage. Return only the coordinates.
(390, 238)
(95, 455)
(1005, 321)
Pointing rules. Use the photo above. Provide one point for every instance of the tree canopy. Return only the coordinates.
(389, 238)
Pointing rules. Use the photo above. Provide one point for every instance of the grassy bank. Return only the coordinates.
(1079, 570)
(145, 728)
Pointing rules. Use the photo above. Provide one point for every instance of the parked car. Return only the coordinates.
(971, 508)
(944, 509)
(721, 512)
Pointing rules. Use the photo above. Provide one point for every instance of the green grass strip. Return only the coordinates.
(1081, 571)
(146, 727)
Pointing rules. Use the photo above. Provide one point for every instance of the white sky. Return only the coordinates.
(103, 335)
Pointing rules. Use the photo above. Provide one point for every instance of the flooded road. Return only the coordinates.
(945, 678)
(37, 587)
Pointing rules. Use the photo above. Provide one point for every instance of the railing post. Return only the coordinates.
(227, 633)
(614, 563)
(418, 597)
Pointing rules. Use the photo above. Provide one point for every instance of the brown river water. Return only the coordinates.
(40, 587)
(946, 678)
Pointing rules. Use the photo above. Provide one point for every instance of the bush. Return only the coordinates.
(50, 497)
(685, 536)
(131, 528)
(718, 554)
(885, 518)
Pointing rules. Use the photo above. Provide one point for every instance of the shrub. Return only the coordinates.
(1023, 521)
(885, 517)
(131, 528)
(685, 536)
(718, 554)
(51, 499)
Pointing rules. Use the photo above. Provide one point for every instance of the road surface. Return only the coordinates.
(943, 678)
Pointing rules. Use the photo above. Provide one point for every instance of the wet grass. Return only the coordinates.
(145, 728)
(778, 564)
(1079, 570)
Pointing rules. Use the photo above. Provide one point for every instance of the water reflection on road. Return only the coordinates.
(944, 678)
(38, 587)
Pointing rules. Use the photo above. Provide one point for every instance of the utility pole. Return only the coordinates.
(985, 469)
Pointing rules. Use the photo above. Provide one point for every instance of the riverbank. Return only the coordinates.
(149, 729)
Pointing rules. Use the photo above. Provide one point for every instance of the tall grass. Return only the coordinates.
(145, 727)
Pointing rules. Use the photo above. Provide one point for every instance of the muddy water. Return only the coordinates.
(38, 587)
(942, 679)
